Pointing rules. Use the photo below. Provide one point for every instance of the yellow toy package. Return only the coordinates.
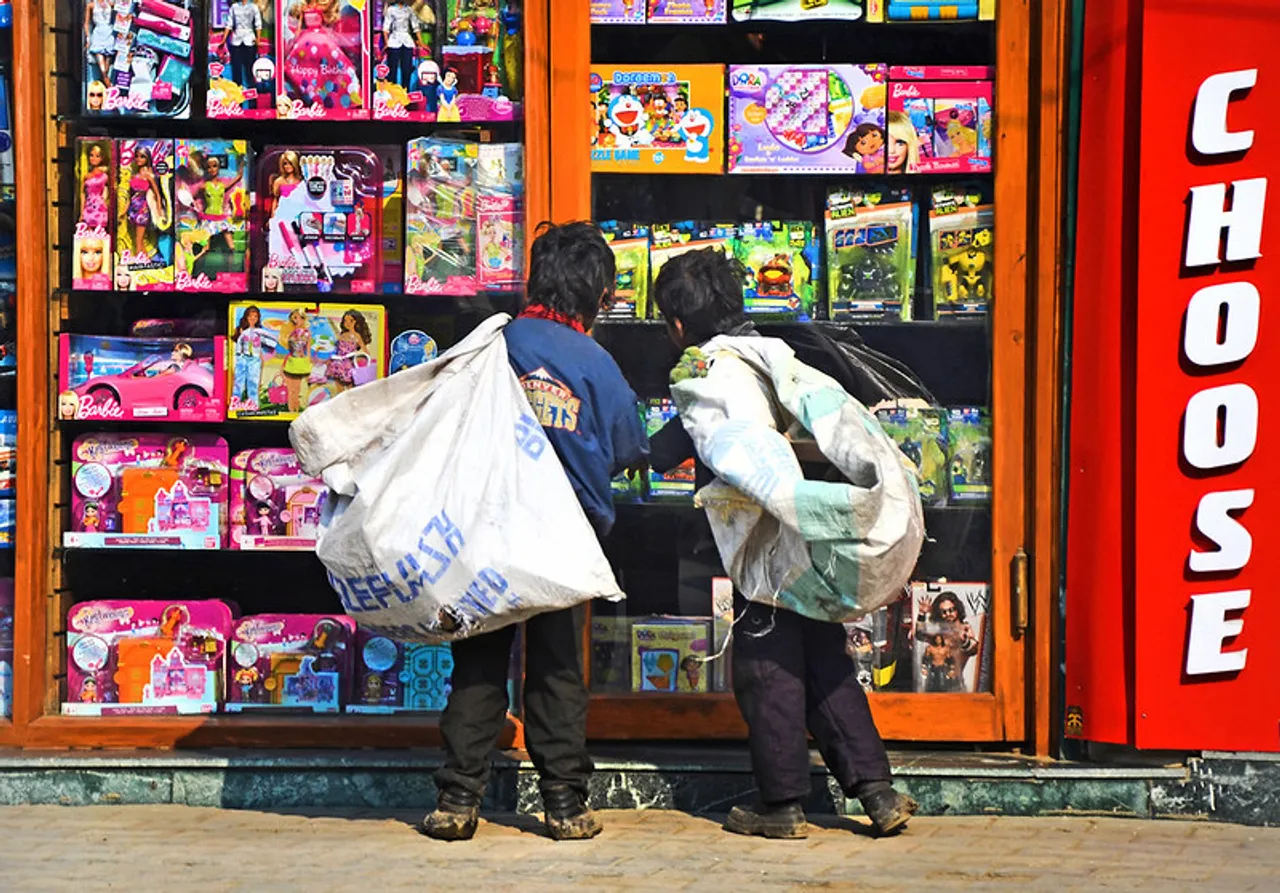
(657, 119)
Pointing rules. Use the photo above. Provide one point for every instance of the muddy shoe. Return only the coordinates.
(567, 817)
(784, 821)
(456, 816)
(889, 811)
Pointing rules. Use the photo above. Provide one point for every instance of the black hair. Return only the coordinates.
(703, 291)
(571, 270)
(948, 596)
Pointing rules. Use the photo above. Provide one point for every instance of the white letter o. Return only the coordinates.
(1200, 340)
(1200, 445)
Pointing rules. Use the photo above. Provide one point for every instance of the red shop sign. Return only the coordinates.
(1202, 555)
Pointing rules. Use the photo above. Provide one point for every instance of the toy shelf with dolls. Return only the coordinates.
(846, 159)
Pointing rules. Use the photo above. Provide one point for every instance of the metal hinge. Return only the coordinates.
(1021, 596)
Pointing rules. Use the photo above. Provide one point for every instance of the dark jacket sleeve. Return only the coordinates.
(630, 443)
(670, 446)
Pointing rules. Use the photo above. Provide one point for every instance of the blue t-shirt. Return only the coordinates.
(584, 404)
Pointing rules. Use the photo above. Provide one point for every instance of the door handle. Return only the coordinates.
(1021, 597)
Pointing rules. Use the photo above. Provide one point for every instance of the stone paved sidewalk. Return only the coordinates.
(156, 848)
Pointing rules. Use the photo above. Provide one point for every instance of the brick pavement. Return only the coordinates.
(156, 848)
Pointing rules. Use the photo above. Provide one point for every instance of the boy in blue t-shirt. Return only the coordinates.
(589, 414)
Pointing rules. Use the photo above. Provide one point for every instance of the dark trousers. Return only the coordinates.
(242, 59)
(797, 676)
(401, 61)
(555, 703)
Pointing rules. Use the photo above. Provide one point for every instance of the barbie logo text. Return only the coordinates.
(107, 409)
(1220, 424)
(127, 102)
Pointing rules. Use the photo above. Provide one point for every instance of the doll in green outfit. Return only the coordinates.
(215, 217)
(297, 367)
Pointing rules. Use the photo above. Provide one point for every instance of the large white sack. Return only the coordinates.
(451, 514)
(830, 551)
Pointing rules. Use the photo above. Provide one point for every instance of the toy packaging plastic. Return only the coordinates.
(8, 173)
(318, 220)
(871, 256)
(116, 379)
(412, 347)
(952, 642)
(8, 326)
(6, 647)
(810, 119)
(291, 662)
(658, 120)
(211, 228)
(630, 245)
(242, 59)
(93, 252)
(610, 652)
(921, 434)
(146, 657)
(481, 76)
(287, 357)
(144, 219)
(400, 677)
(148, 491)
(668, 655)
(678, 483)
(962, 242)
(8, 522)
(880, 644)
(322, 59)
(138, 57)
(969, 440)
(391, 276)
(500, 216)
(920, 10)
(781, 261)
(668, 240)
(406, 83)
(950, 125)
(8, 452)
(274, 504)
(796, 10)
(440, 218)
(686, 12)
(617, 12)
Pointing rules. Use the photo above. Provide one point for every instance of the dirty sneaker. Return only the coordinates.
(889, 810)
(456, 815)
(567, 817)
(780, 821)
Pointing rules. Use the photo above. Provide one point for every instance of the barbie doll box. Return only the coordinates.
(146, 657)
(274, 503)
(144, 215)
(651, 119)
(242, 59)
(669, 655)
(322, 59)
(211, 229)
(480, 62)
(92, 243)
(286, 357)
(400, 677)
(114, 379)
(807, 119)
(950, 122)
(291, 662)
(138, 57)
(148, 491)
(406, 76)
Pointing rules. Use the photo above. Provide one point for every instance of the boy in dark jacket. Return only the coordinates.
(789, 672)
(589, 414)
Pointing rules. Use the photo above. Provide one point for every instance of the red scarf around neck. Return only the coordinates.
(540, 311)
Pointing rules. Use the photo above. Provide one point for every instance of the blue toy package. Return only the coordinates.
(412, 347)
(7, 174)
(8, 451)
(8, 522)
(400, 677)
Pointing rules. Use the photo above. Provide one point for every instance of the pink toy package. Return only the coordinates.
(92, 246)
(406, 76)
(146, 657)
(274, 503)
(148, 491)
(617, 12)
(686, 12)
(117, 379)
(291, 662)
(323, 59)
(939, 126)
(242, 64)
(498, 247)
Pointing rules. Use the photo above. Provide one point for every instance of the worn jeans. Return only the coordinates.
(797, 676)
(555, 704)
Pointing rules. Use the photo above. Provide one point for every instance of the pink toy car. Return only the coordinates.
(158, 378)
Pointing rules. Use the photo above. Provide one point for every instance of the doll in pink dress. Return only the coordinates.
(315, 67)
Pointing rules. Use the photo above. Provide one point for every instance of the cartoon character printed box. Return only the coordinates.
(242, 59)
(297, 662)
(148, 491)
(944, 124)
(481, 61)
(274, 503)
(400, 677)
(286, 357)
(108, 378)
(809, 119)
(629, 243)
(146, 657)
(211, 228)
(617, 12)
(952, 643)
(796, 10)
(669, 655)
(686, 12)
(781, 262)
(322, 58)
(319, 220)
(871, 254)
(657, 120)
(138, 57)
(921, 435)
